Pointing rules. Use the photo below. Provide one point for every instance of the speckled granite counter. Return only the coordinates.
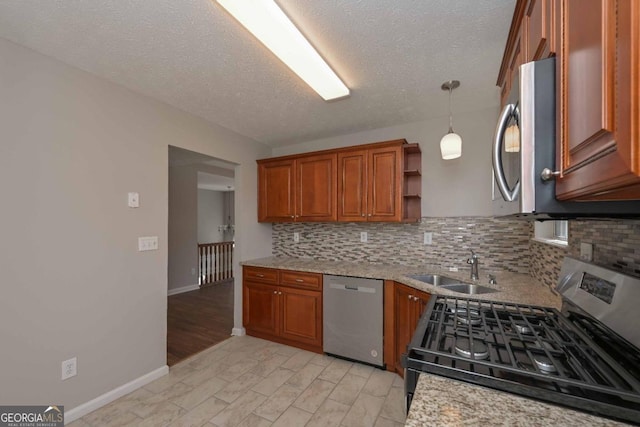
(511, 287)
(445, 402)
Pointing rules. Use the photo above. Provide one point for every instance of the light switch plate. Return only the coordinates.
(296, 237)
(149, 243)
(364, 237)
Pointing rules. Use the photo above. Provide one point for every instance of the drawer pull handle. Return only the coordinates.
(299, 280)
(260, 275)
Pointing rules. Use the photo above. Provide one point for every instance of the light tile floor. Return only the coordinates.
(249, 382)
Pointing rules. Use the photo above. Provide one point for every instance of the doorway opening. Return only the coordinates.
(201, 245)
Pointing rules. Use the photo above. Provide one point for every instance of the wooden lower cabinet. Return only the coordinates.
(260, 308)
(301, 316)
(403, 307)
(290, 314)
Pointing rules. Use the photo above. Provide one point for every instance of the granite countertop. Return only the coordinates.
(510, 287)
(446, 402)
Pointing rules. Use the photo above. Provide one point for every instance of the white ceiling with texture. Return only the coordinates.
(393, 55)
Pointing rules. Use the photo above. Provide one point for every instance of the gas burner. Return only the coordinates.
(467, 316)
(522, 328)
(545, 365)
(463, 348)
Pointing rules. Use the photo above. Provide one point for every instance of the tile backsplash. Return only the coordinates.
(616, 244)
(501, 244)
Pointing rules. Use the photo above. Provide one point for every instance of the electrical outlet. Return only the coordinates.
(296, 237)
(133, 200)
(364, 237)
(586, 251)
(428, 238)
(69, 368)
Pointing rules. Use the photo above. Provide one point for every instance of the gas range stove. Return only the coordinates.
(585, 356)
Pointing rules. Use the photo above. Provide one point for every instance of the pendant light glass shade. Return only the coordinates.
(451, 143)
(451, 146)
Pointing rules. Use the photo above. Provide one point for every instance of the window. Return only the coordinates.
(552, 232)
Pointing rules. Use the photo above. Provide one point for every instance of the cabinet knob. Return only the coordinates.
(363, 214)
(410, 297)
(369, 215)
(279, 293)
(547, 174)
(292, 216)
(275, 292)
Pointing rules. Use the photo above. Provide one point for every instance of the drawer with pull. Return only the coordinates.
(260, 274)
(301, 279)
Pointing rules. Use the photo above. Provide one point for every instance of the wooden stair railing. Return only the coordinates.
(215, 262)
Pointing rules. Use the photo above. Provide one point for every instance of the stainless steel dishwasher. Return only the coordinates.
(352, 318)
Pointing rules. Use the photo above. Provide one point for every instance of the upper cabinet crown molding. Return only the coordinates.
(371, 182)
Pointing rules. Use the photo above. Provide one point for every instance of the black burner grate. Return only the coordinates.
(530, 350)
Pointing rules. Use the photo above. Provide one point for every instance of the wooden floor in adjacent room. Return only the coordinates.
(198, 319)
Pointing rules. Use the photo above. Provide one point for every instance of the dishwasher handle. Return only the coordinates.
(341, 287)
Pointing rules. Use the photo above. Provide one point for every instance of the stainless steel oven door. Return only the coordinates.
(506, 157)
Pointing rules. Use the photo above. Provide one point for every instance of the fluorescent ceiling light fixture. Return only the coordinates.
(268, 23)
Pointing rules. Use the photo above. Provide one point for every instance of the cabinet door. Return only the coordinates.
(597, 150)
(421, 299)
(537, 22)
(384, 199)
(352, 186)
(316, 186)
(301, 316)
(276, 191)
(260, 308)
(404, 312)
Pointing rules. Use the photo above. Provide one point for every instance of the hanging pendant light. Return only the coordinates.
(451, 143)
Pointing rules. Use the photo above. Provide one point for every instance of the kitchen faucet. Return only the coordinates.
(474, 265)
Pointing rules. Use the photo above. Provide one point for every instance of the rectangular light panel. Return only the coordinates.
(268, 23)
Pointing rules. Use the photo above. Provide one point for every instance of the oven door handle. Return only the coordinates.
(508, 112)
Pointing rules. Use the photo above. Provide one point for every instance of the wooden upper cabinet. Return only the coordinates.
(532, 37)
(352, 185)
(372, 182)
(276, 191)
(598, 96)
(538, 29)
(384, 198)
(316, 198)
(302, 189)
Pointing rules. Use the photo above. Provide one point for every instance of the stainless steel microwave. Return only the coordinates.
(524, 151)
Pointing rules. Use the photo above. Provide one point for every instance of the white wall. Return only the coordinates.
(460, 187)
(211, 207)
(73, 282)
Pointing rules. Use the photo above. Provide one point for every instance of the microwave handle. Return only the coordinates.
(508, 194)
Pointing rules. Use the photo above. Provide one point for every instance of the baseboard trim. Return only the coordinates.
(238, 332)
(183, 289)
(100, 401)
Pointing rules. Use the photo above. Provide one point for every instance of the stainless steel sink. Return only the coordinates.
(468, 289)
(435, 279)
(453, 285)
